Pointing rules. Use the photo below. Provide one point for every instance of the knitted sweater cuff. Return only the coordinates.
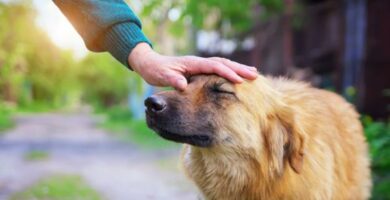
(121, 39)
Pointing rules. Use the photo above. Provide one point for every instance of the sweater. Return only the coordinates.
(105, 25)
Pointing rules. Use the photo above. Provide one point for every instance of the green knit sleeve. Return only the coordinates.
(105, 25)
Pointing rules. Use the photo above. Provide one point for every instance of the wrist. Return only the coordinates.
(139, 55)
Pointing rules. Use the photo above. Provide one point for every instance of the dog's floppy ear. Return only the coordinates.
(284, 139)
(294, 148)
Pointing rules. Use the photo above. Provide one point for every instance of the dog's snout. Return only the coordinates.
(155, 104)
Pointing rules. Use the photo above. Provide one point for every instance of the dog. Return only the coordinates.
(270, 138)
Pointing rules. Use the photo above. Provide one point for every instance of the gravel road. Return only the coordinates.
(117, 170)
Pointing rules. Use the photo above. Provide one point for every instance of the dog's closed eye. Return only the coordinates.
(222, 88)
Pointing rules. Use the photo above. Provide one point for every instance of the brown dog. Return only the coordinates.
(265, 139)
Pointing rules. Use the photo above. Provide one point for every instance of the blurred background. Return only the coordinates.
(71, 121)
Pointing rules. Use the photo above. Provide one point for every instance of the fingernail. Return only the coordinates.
(252, 69)
(240, 80)
(181, 84)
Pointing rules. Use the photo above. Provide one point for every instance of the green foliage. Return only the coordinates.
(38, 76)
(103, 80)
(31, 68)
(378, 136)
(59, 187)
(37, 106)
(36, 155)
(5, 116)
(119, 120)
(350, 94)
(227, 16)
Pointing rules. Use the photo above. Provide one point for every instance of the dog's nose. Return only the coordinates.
(155, 104)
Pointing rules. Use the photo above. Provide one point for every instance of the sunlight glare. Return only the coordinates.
(58, 28)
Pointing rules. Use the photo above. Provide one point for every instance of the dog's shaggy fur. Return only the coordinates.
(266, 139)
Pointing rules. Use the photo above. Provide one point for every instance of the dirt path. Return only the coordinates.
(75, 146)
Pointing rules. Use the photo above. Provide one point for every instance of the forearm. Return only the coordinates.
(108, 25)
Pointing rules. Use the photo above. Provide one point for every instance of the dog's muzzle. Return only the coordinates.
(168, 121)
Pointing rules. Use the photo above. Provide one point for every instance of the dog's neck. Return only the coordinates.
(213, 171)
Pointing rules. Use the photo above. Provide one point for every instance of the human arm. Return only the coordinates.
(110, 25)
(105, 25)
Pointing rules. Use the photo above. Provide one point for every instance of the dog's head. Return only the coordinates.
(217, 114)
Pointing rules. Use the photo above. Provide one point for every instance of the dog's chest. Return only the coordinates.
(219, 177)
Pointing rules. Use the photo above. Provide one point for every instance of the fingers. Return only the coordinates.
(225, 68)
(180, 83)
(171, 71)
(242, 70)
(197, 65)
(176, 80)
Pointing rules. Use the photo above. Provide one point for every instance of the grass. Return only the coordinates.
(7, 110)
(37, 107)
(6, 121)
(119, 120)
(58, 187)
(36, 155)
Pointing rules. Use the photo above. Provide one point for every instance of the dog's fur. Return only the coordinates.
(266, 139)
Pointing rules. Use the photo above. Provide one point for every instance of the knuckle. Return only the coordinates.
(225, 60)
(188, 59)
(216, 59)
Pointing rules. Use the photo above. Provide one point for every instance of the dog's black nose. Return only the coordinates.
(155, 104)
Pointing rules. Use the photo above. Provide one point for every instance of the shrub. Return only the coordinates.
(378, 136)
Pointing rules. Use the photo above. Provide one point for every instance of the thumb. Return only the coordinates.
(178, 81)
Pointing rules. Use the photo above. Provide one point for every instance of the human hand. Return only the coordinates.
(160, 70)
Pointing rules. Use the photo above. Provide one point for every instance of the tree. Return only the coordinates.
(34, 70)
(227, 16)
